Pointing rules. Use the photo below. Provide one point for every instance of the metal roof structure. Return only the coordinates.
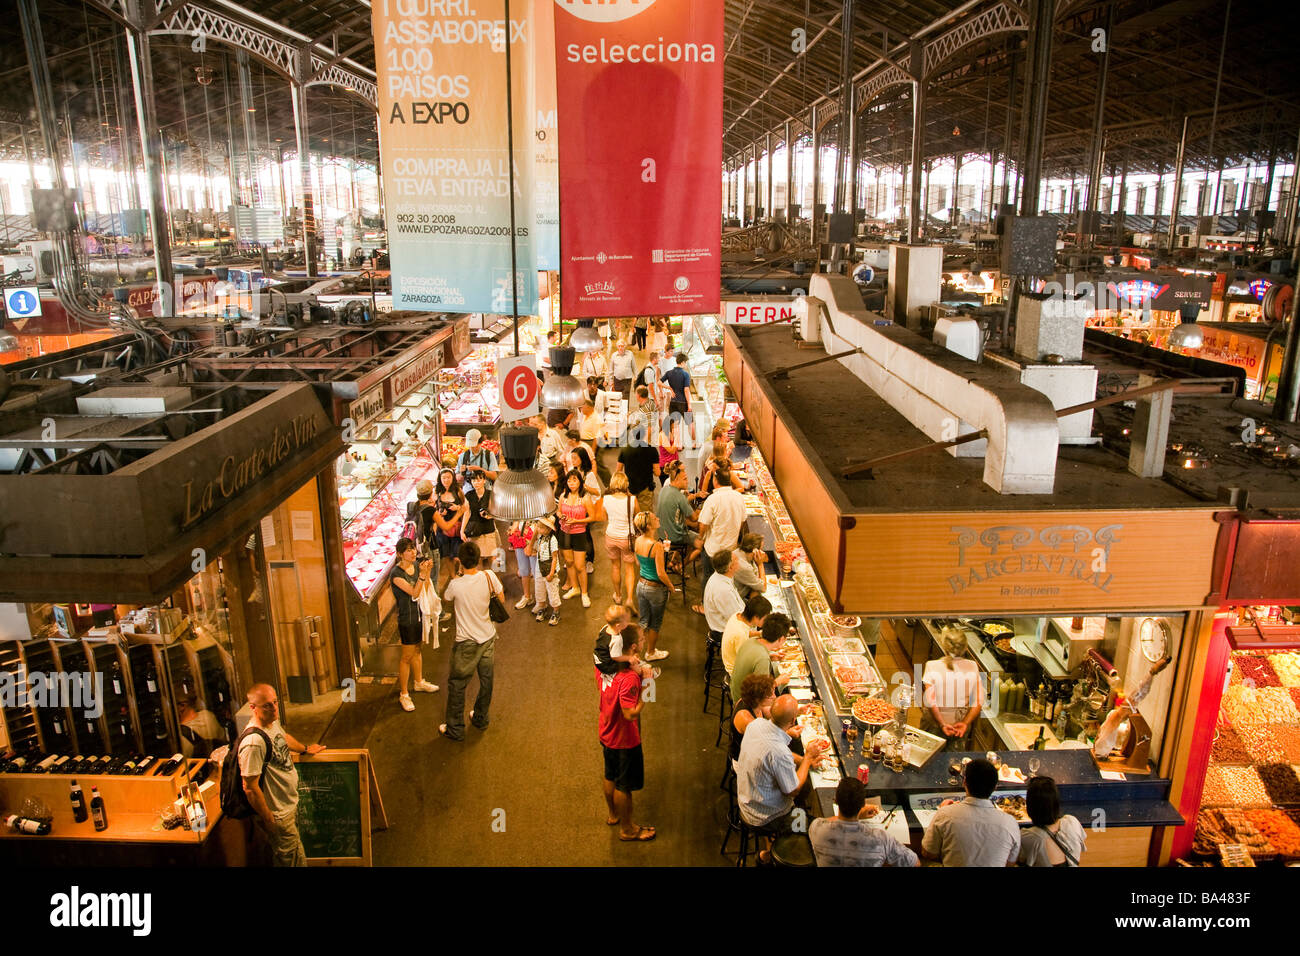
(783, 57)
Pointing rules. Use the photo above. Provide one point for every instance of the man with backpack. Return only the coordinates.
(475, 459)
(270, 780)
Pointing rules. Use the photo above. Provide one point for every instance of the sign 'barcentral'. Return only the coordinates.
(639, 108)
(442, 102)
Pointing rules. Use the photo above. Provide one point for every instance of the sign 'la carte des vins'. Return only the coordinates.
(441, 68)
(639, 108)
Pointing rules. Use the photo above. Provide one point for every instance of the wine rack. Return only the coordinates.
(56, 722)
(123, 734)
(20, 720)
(215, 684)
(70, 657)
(145, 666)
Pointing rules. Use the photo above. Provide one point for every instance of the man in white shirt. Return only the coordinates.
(767, 776)
(471, 591)
(721, 601)
(622, 369)
(952, 692)
(721, 518)
(973, 832)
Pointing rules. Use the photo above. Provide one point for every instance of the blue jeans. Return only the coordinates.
(466, 658)
(651, 600)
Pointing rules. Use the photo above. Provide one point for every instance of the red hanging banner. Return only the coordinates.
(639, 106)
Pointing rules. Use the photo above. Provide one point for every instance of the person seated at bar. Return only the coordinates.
(755, 655)
(973, 832)
(848, 840)
(1055, 839)
(744, 624)
(768, 775)
(952, 692)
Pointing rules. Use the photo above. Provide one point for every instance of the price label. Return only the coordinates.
(517, 378)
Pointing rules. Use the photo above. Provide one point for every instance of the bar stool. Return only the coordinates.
(715, 674)
(793, 849)
(734, 822)
(725, 710)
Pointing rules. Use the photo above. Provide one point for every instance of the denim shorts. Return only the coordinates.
(525, 561)
(651, 599)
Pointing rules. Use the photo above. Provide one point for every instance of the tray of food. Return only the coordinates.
(1012, 802)
(843, 645)
(873, 711)
(792, 669)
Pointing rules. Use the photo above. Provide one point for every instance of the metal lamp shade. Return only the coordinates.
(1187, 335)
(521, 493)
(585, 338)
(562, 391)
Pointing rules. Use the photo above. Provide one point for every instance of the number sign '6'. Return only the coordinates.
(517, 377)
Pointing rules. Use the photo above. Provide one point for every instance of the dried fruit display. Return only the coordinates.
(1295, 696)
(1287, 667)
(1228, 747)
(1215, 792)
(1243, 831)
(1288, 738)
(1280, 782)
(1261, 744)
(1244, 787)
(1278, 829)
(1256, 669)
(1247, 706)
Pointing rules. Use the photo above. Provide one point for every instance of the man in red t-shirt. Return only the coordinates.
(620, 739)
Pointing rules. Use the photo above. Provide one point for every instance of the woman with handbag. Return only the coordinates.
(576, 510)
(652, 585)
(1055, 839)
(618, 509)
(409, 582)
(479, 526)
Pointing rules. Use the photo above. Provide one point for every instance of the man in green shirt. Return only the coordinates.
(755, 656)
(675, 514)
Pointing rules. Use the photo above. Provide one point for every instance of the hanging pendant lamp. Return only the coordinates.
(521, 492)
(585, 338)
(561, 389)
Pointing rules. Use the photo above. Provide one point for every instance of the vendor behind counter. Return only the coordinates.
(952, 697)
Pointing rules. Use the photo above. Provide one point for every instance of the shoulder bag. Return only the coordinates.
(1070, 857)
(496, 607)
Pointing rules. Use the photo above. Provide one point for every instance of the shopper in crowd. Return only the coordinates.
(577, 509)
(721, 519)
(951, 697)
(649, 377)
(757, 695)
(609, 649)
(590, 424)
(657, 340)
(717, 464)
(758, 655)
(420, 513)
(676, 517)
(746, 624)
(622, 370)
(767, 774)
(751, 576)
(679, 382)
(552, 444)
(621, 703)
(646, 415)
(581, 460)
(553, 474)
(476, 636)
(480, 527)
(544, 549)
(475, 459)
(846, 839)
(670, 446)
(640, 327)
(973, 832)
(640, 462)
(519, 537)
(721, 601)
(269, 776)
(1055, 839)
(409, 581)
(449, 517)
(617, 508)
(652, 586)
(591, 365)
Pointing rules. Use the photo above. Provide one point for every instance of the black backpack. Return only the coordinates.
(234, 802)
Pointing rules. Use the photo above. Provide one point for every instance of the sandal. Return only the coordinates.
(643, 835)
(697, 608)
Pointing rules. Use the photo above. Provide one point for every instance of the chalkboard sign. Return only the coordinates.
(334, 797)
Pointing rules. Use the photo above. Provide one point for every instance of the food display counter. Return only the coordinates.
(470, 395)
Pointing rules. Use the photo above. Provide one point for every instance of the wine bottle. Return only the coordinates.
(26, 825)
(44, 765)
(56, 721)
(62, 764)
(151, 679)
(91, 730)
(116, 677)
(1041, 742)
(171, 766)
(159, 726)
(17, 765)
(203, 772)
(97, 811)
(144, 765)
(78, 797)
(124, 722)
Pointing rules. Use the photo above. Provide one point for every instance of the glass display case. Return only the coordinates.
(469, 391)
